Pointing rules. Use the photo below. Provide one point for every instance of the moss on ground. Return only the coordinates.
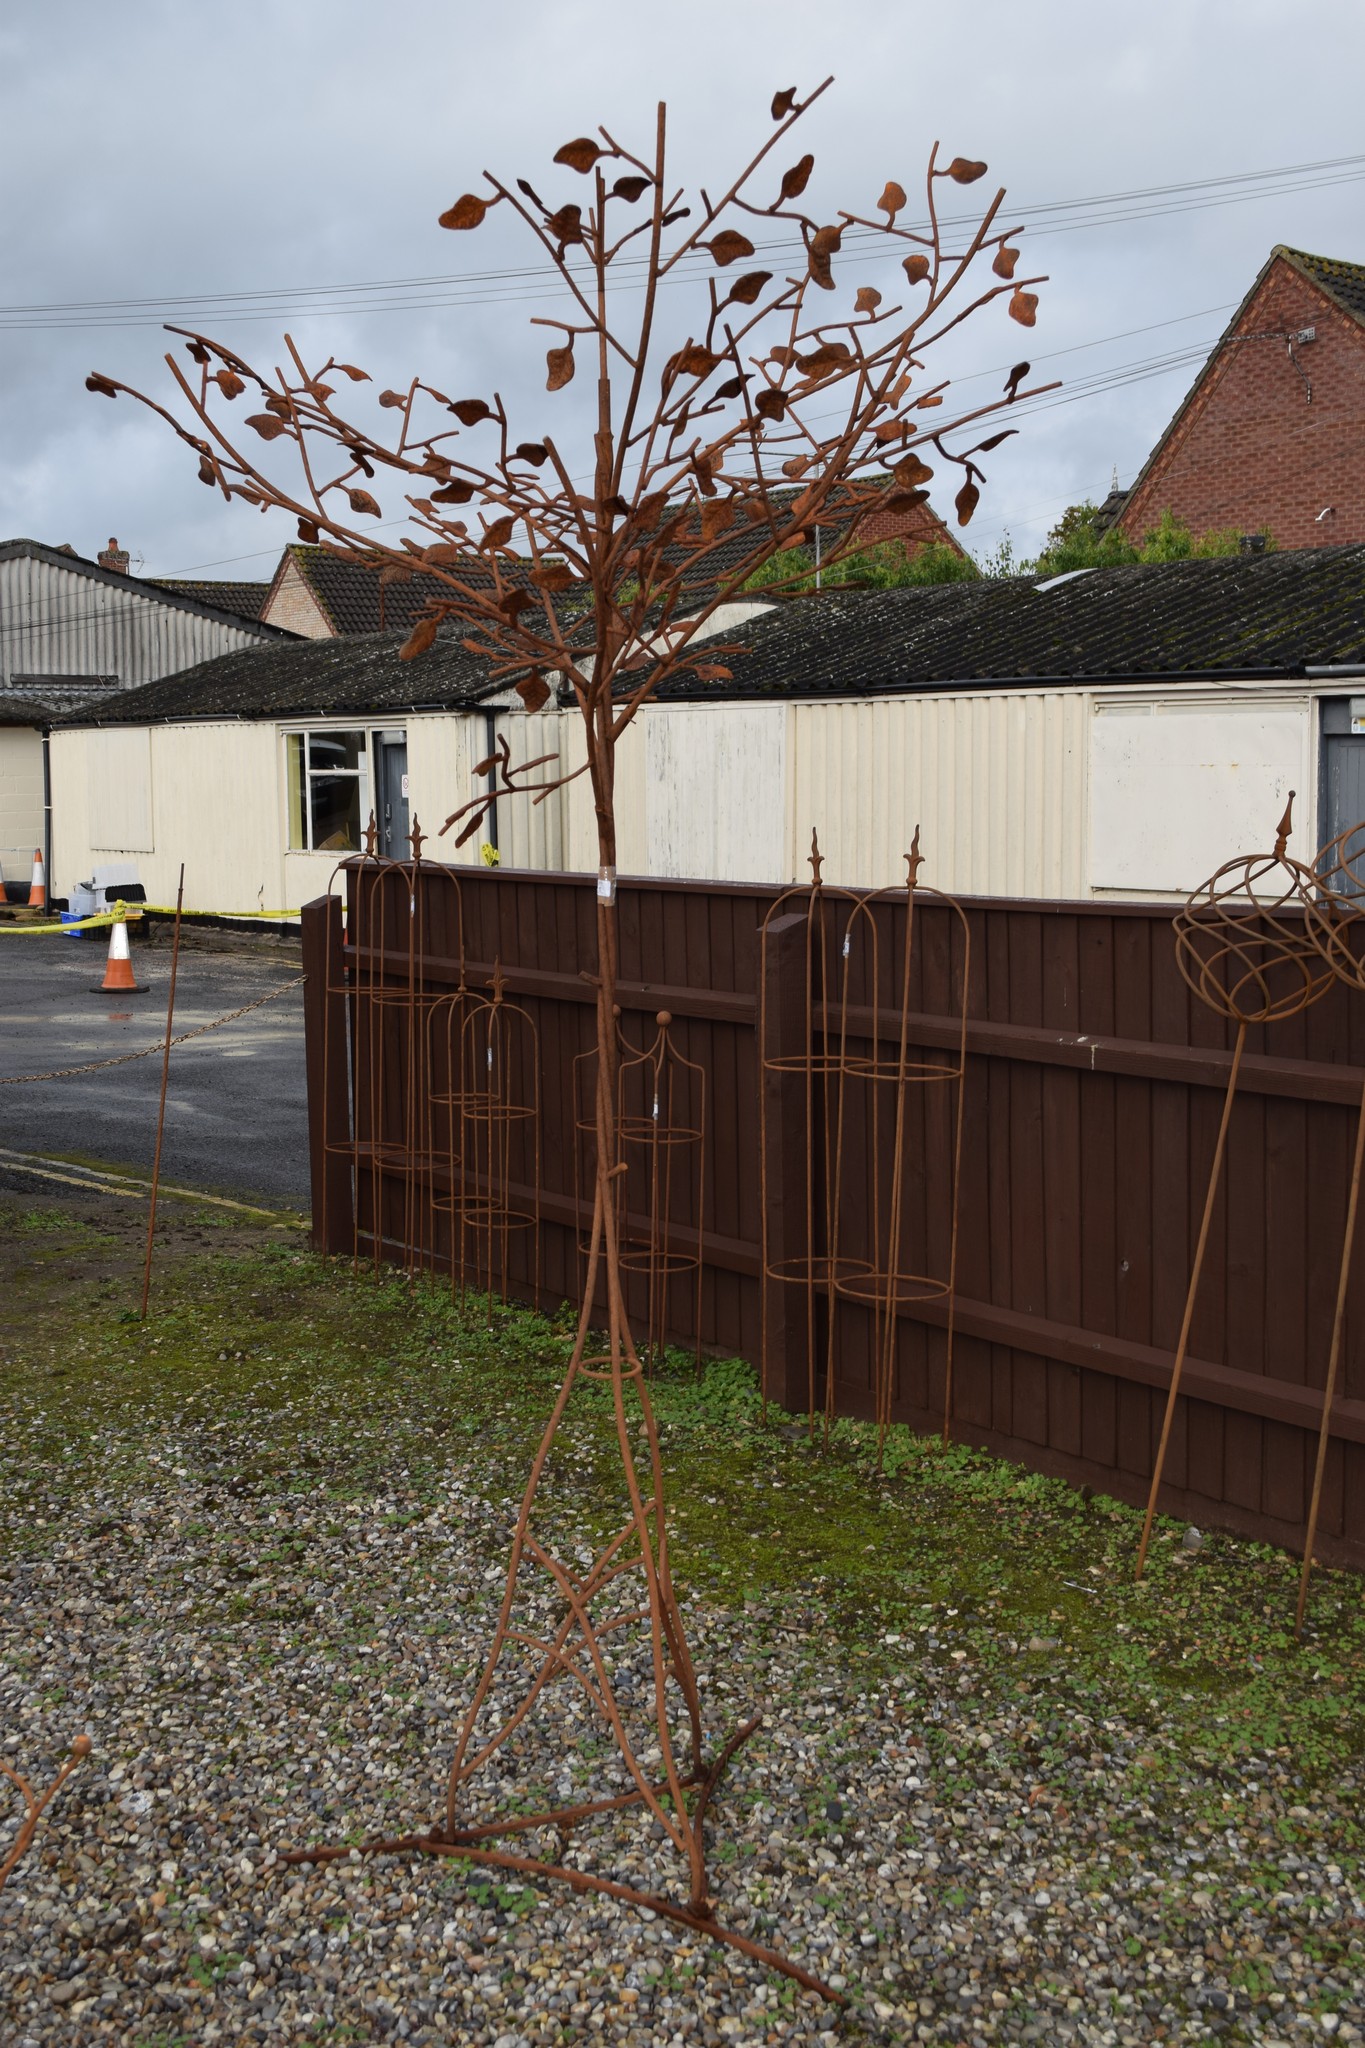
(262, 1363)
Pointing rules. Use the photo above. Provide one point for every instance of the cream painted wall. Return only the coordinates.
(716, 783)
(1178, 788)
(21, 799)
(996, 783)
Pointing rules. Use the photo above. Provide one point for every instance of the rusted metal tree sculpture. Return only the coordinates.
(787, 405)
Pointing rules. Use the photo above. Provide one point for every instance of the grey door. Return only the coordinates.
(391, 775)
(1343, 782)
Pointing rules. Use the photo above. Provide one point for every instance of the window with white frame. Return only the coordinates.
(327, 776)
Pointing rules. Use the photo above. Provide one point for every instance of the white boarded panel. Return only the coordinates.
(119, 769)
(715, 783)
(1174, 792)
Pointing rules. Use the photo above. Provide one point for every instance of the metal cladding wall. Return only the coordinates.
(63, 622)
(1094, 1086)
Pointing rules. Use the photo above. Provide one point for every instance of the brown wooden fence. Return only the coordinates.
(1094, 1085)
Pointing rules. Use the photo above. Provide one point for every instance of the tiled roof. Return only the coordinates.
(1226, 616)
(306, 679)
(21, 709)
(354, 600)
(247, 600)
(1344, 282)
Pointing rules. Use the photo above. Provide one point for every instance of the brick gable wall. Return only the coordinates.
(1250, 450)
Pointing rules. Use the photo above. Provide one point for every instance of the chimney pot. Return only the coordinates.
(113, 557)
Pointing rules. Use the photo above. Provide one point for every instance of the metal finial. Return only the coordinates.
(1286, 826)
(914, 861)
(498, 982)
(371, 837)
(817, 859)
(417, 838)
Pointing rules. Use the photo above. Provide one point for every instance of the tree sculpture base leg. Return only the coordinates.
(571, 1636)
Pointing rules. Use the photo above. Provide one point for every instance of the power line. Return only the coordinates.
(414, 293)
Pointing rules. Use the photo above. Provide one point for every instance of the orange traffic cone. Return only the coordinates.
(118, 969)
(37, 888)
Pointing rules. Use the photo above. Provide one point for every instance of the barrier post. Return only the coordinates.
(328, 1071)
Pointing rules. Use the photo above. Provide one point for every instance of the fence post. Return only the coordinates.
(783, 1033)
(327, 1067)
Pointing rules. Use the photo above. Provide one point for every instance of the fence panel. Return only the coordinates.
(1094, 1084)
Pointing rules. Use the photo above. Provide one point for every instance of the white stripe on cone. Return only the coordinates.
(37, 888)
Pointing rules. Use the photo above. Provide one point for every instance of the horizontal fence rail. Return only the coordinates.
(1093, 1090)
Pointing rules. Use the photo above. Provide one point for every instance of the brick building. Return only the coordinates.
(1271, 438)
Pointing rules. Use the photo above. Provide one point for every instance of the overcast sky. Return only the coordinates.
(295, 148)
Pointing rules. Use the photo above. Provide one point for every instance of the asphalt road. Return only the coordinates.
(236, 1111)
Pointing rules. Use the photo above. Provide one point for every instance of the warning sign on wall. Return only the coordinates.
(405, 789)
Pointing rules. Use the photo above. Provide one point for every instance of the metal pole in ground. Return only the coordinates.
(161, 1111)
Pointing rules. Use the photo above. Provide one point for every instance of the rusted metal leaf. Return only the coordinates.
(469, 411)
(823, 245)
(889, 430)
(361, 501)
(472, 827)
(712, 672)
(1024, 308)
(579, 155)
(1005, 260)
(567, 224)
(904, 501)
(467, 212)
(868, 299)
(456, 492)
(552, 576)
(197, 352)
(534, 452)
(716, 515)
(279, 405)
(695, 361)
(208, 471)
(930, 398)
(892, 199)
(419, 639)
(106, 386)
(631, 189)
(229, 383)
(965, 170)
(916, 267)
(831, 355)
(795, 181)
(994, 440)
(731, 388)
(498, 534)
(783, 102)
(267, 425)
(560, 364)
(911, 470)
(350, 370)
(1016, 378)
(513, 601)
(534, 692)
(308, 531)
(796, 465)
(678, 213)
(443, 555)
(651, 511)
(729, 246)
(746, 289)
(394, 572)
(770, 405)
(966, 501)
(393, 401)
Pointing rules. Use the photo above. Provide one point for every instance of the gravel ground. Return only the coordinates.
(265, 1603)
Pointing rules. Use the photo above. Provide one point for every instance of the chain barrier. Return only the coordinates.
(122, 1059)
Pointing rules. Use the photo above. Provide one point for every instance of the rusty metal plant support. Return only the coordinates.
(499, 1179)
(36, 1803)
(661, 1122)
(396, 910)
(891, 1284)
(591, 563)
(1335, 917)
(1240, 954)
(161, 1106)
